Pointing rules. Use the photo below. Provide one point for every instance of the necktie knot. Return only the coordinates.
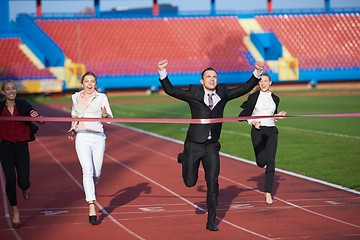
(211, 102)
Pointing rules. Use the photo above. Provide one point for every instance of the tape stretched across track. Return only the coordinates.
(165, 120)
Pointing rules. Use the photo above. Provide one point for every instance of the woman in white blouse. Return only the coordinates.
(90, 137)
(264, 134)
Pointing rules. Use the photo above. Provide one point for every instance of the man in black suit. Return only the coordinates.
(201, 144)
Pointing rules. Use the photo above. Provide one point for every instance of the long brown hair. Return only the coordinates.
(257, 87)
(88, 73)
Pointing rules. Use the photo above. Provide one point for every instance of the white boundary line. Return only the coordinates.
(6, 208)
(299, 130)
(253, 163)
(178, 196)
(81, 187)
(296, 175)
(294, 205)
(248, 187)
(319, 132)
(147, 178)
(248, 161)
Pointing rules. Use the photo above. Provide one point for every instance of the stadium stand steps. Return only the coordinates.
(319, 41)
(16, 65)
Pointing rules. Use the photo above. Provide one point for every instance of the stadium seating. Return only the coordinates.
(318, 41)
(133, 46)
(14, 64)
(115, 47)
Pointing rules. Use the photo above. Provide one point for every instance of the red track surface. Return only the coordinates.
(141, 196)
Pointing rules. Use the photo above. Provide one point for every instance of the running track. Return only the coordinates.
(141, 195)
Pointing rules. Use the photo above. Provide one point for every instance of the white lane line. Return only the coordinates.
(115, 206)
(229, 206)
(236, 133)
(52, 213)
(319, 132)
(246, 160)
(299, 130)
(323, 199)
(125, 108)
(6, 208)
(248, 187)
(172, 192)
(253, 163)
(81, 187)
(295, 174)
(294, 205)
(336, 236)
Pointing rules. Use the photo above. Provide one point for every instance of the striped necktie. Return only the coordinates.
(211, 102)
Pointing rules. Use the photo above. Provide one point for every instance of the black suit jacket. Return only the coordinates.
(250, 103)
(24, 108)
(194, 96)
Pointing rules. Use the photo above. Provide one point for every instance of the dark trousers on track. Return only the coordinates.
(264, 141)
(15, 161)
(208, 154)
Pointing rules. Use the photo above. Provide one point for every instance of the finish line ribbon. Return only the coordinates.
(166, 120)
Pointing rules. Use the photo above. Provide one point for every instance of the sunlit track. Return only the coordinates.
(6, 208)
(168, 208)
(184, 199)
(81, 187)
(136, 157)
(248, 187)
(158, 184)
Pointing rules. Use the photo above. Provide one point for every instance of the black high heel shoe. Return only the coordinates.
(92, 219)
(26, 194)
(15, 224)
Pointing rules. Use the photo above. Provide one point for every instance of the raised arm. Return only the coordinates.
(259, 67)
(249, 84)
(162, 64)
(166, 84)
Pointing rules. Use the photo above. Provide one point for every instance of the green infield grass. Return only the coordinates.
(326, 148)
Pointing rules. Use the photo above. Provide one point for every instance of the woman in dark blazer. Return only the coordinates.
(14, 138)
(264, 134)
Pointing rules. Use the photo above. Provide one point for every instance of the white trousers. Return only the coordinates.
(90, 148)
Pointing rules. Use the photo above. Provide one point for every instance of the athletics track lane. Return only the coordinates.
(142, 190)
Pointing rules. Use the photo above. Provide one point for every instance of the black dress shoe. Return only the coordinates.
(180, 157)
(212, 227)
(92, 220)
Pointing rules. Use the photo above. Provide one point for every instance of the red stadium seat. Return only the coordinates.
(15, 64)
(318, 37)
(182, 39)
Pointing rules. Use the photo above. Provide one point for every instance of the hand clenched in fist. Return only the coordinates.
(259, 66)
(162, 64)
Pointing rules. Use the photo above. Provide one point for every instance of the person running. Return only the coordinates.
(202, 140)
(14, 147)
(90, 137)
(264, 134)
